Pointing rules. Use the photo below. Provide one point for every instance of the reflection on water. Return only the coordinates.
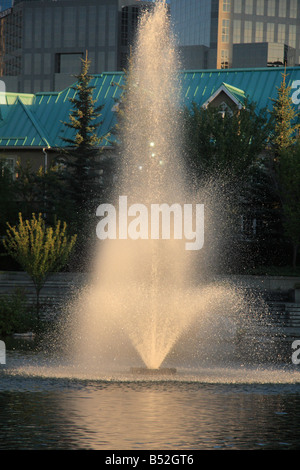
(151, 416)
(214, 408)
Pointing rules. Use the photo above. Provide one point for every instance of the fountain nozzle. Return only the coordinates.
(159, 371)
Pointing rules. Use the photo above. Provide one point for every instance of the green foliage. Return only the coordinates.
(286, 125)
(224, 144)
(8, 204)
(284, 164)
(42, 191)
(16, 316)
(39, 250)
(82, 153)
(288, 174)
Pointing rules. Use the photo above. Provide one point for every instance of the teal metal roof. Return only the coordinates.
(28, 120)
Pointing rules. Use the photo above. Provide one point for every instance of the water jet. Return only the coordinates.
(143, 302)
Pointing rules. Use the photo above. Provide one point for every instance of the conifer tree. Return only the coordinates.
(286, 126)
(82, 150)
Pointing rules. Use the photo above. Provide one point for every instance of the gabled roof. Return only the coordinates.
(29, 120)
(235, 94)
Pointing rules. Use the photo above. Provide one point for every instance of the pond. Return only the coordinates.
(51, 406)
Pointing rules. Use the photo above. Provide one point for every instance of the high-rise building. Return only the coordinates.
(42, 42)
(130, 15)
(5, 4)
(218, 25)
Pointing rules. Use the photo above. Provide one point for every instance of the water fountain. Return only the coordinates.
(141, 303)
(146, 309)
(143, 355)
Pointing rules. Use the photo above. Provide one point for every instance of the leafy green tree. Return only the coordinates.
(42, 191)
(226, 149)
(39, 250)
(288, 175)
(8, 204)
(224, 144)
(284, 163)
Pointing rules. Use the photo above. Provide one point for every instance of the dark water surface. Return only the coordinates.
(214, 408)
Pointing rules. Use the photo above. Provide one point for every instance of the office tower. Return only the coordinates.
(5, 4)
(217, 26)
(42, 42)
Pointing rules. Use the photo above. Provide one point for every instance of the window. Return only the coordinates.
(271, 8)
(226, 5)
(282, 8)
(37, 63)
(293, 8)
(102, 25)
(225, 31)
(57, 23)
(248, 31)
(270, 32)
(260, 7)
(38, 22)
(69, 29)
(8, 165)
(292, 35)
(82, 29)
(224, 59)
(68, 63)
(92, 24)
(237, 6)
(259, 31)
(249, 7)
(281, 34)
(236, 31)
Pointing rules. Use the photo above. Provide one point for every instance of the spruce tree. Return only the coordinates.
(82, 150)
(286, 126)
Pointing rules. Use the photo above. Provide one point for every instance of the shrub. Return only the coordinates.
(16, 315)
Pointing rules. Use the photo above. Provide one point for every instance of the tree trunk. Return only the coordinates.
(38, 290)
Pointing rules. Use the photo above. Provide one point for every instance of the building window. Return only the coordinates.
(226, 5)
(271, 8)
(224, 59)
(293, 8)
(282, 8)
(292, 35)
(236, 31)
(225, 31)
(8, 166)
(237, 6)
(68, 63)
(259, 31)
(260, 7)
(248, 31)
(270, 32)
(281, 34)
(249, 7)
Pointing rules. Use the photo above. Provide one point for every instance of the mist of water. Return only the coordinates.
(141, 303)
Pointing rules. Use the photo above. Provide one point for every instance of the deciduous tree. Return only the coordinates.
(39, 250)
